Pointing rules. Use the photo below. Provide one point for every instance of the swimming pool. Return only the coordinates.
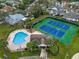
(19, 38)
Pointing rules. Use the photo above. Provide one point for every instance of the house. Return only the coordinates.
(56, 10)
(7, 9)
(20, 12)
(13, 19)
(71, 16)
(38, 36)
(75, 3)
(2, 5)
(12, 2)
(53, 11)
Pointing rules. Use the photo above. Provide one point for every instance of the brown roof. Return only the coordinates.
(39, 37)
(7, 9)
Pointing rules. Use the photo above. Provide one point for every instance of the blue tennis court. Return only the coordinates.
(52, 31)
(58, 24)
(62, 31)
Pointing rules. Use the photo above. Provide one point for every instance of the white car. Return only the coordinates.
(71, 19)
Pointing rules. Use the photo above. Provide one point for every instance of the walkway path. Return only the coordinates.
(43, 54)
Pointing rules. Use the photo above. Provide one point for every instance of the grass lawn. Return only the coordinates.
(16, 55)
(5, 30)
(63, 50)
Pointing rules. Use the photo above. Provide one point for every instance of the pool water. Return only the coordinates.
(19, 38)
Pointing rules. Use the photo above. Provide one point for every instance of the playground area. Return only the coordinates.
(62, 31)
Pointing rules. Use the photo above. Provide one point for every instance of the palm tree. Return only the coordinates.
(3, 44)
(32, 46)
(53, 47)
(54, 50)
(29, 24)
(45, 2)
(24, 3)
(36, 10)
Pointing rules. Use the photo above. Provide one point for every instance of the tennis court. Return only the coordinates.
(62, 31)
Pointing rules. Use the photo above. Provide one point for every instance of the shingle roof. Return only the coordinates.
(71, 15)
(13, 19)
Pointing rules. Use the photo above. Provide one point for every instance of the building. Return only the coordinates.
(71, 16)
(13, 19)
(56, 10)
(37, 35)
(7, 9)
(12, 2)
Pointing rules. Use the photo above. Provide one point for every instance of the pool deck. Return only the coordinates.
(14, 47)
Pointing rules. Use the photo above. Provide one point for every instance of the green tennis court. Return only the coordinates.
(62, 31)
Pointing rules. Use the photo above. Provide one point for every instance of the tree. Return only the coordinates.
(50, 41)
(3, 44)
(2, 1)
(45, 2)
(36, 10)
(32, 46)
(3, 15)
(74, 0)
(59, 0)
(28, 24)
(23, 4)
(53, 47)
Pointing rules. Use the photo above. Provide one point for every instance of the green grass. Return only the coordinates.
(6, 29)
(16, 55)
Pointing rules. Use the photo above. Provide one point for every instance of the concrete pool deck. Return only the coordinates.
(19, 47)
(14, 47)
